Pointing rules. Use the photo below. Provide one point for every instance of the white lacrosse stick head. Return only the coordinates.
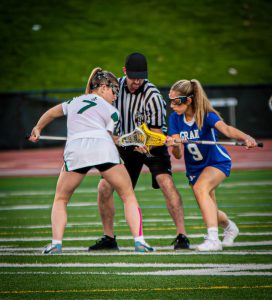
(135, 138)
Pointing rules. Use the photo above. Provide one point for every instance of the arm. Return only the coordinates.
(234, 133)
(115, 138)
(176, 148)
(45, 119)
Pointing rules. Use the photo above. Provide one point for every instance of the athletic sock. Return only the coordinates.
(230, 225)
(139, 239)
(213, 233)
(54, 242)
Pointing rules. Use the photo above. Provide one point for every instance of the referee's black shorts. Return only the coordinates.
(158, 163)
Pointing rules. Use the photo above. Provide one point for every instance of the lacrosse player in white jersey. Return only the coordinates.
(91, 119)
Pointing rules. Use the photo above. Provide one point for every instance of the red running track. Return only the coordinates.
(47, 162)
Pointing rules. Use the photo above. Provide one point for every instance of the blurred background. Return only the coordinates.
(49, 48)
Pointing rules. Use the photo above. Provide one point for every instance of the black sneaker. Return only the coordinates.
(105, 243)
(181, 242)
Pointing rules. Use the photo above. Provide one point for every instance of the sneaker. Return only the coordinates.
(181, 242)
(143, 247)
(230, 235)
(210, 245)
(53, 249)
(105, 243)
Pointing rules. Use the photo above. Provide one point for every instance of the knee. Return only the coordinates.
(168, 187)
(105, 190)
(199, 190)
(165, 182)
(61, 200)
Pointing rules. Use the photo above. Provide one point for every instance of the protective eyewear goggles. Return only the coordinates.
(115, 88)
(179, 100)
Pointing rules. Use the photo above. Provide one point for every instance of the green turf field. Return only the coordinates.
(240, 272)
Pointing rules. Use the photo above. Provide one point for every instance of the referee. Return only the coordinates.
(140, 101)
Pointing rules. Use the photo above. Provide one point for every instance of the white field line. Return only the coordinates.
(37, 239)
(182, 269)
(252, 223)
(44, 206)
(255, 215)
(81, 224)
(126, 237)
(118, 224)
(238, 267)
(132, 253)
(195, 272)
(86, 204)
(139, 188)
(14, 251)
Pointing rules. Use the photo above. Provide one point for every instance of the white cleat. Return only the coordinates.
(209, 245)
(230, 235)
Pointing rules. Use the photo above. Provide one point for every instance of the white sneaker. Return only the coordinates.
(210, 245)
(230, 235)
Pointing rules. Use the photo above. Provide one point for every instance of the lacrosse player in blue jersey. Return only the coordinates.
(206, 165)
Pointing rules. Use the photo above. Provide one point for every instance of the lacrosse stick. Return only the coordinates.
(135, 138)
(215, 143)
(50, 138)
(142, 136)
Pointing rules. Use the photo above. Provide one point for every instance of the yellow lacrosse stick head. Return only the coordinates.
(153, 138)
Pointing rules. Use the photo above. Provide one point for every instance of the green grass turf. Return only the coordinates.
(246, 197)
(181, 39)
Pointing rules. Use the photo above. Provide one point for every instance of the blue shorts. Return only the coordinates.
(224, 167)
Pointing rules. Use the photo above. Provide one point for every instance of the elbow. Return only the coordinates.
(177, 154)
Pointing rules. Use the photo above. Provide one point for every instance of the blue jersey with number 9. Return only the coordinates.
(198, 156)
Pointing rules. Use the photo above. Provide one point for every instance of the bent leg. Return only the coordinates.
(209, 179)
(221, 216)
(119, 179)
(106, 206)
(173, 201)
(67, 183)
(231, 230)
(203, 189)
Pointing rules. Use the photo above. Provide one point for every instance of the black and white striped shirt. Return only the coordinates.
(147, 101)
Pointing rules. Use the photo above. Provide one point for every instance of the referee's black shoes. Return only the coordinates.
(104, 243)
(181, 242)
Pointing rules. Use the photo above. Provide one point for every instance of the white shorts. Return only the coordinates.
(87, 152)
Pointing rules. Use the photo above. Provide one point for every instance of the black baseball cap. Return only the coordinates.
(136, 66)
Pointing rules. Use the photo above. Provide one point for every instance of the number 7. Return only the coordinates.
(91, 104)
